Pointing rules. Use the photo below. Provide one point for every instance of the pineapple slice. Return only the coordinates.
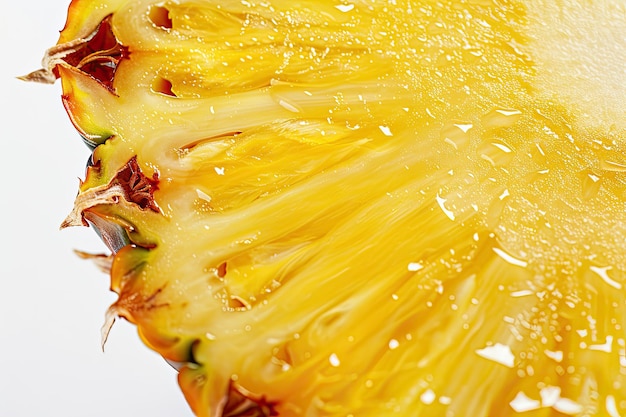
(361, 207)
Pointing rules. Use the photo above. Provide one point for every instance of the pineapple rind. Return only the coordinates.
(359, 204)
(83, 17)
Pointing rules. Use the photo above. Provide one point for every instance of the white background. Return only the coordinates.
(52, 304)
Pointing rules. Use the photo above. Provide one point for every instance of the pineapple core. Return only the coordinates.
(361, 207)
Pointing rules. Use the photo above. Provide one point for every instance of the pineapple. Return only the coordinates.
(360, 207)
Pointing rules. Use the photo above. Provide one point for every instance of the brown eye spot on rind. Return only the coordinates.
(100, 55)
(138, 188)
(242, 403)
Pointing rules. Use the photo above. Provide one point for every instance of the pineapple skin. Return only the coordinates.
(319, 208)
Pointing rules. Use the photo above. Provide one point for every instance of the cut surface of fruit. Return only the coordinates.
(361, 208)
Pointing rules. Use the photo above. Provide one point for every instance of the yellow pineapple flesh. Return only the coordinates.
(361, 207)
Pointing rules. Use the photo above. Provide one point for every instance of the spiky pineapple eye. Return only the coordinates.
(99, 55)
(138, 188)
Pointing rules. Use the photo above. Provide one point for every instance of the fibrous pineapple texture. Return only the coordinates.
(361, 208)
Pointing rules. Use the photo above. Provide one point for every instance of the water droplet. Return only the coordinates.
(441, 201)
(496, 153)
(393, 344)
(611, 406)
(386, 131)
(504, 148)
(540, 149)
(510, 258)
(415, 266)
(590, 183)
(603, 273)
(499, 118)
(550, 395)
(522, 403)
(428, 397)
(203, 196)
(288, 106)
(554, 355)
(334, 360)
(344, 7)
(613, 166)
(498, 353)
(604, 347)
(521, 293)
(567, 406)
(219, 170)
(445, 400)
(455, 134)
